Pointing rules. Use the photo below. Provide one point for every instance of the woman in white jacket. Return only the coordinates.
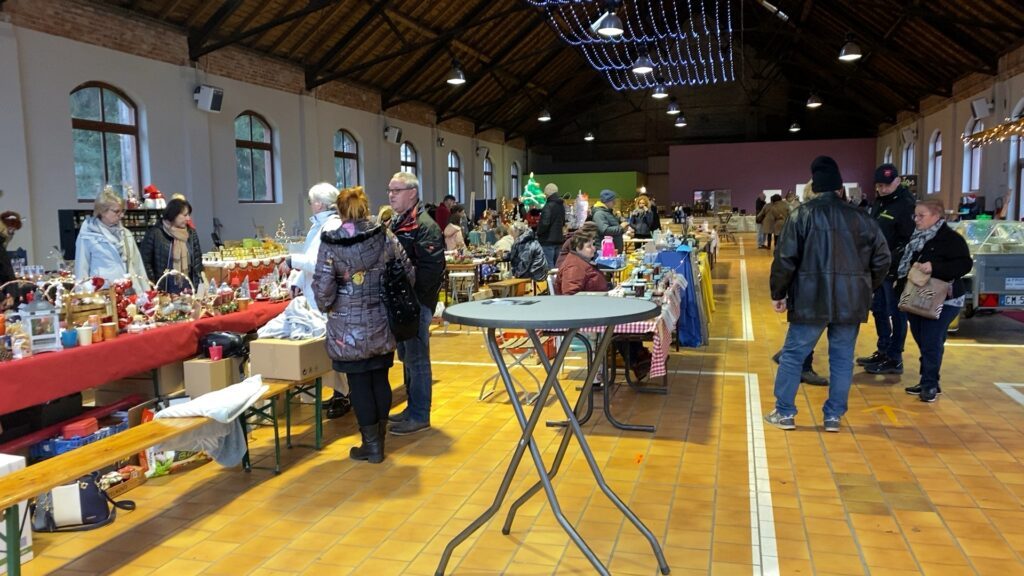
(105, 248)
(323, 198)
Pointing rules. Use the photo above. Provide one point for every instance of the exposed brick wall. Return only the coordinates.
(413, 112)
(459, 126)
(247, 66)
(350, 95)
(95, 24)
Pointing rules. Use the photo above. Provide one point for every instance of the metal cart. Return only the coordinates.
(997, 280)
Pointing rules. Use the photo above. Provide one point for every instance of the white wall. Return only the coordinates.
(189, 151)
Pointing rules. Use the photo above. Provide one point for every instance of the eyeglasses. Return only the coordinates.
(397, 190)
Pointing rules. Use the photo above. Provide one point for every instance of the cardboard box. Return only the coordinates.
(296, 360)
(8, 464)
(203, 375)
(137, 477)
(170, 379)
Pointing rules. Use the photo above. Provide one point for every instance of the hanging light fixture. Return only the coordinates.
(643, 64)
(673, 107)
(814, 101)
(589, 136)
(544, 115)
(680, 121)
(850, 51)
(456, 77)
(608, 24)
(794, 128)
(660, 91)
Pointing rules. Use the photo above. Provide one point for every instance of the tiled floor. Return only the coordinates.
(935, 489)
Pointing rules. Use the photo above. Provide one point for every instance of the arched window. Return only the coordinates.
(907, 159)
(105, 132)
(488, 178)
(346, 159)
(409, 160)
(513, 172)
(455, 175)
(887, 156)
(935, 163)
(972, 159)
(254, 158)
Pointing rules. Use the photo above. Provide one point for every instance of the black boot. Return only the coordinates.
(372, 449)
(382, 428)
(337, 406)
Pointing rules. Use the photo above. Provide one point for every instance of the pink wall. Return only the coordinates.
(748, 168)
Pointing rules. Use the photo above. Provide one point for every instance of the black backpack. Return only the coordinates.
(400, 301)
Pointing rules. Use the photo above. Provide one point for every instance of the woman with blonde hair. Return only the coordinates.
(934, 249)
(643, 221)
(105, 248)
(347, 286)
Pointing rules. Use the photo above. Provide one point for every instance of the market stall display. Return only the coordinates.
(997, 281)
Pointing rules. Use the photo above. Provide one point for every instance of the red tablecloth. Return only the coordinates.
(48, 376)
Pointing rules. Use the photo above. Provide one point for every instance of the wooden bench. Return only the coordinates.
(291, 389)
(59, 470)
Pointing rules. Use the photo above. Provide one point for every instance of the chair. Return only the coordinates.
(519, 348)
(724, 230)
(553, 281)
(461, 282)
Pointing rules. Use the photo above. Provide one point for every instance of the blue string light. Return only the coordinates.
(685, 52)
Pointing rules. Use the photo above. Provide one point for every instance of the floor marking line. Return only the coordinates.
(981, 345)
(748, 320)
(764, 554)
(1011, 391)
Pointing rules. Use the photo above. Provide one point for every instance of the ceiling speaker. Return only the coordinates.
(981, 108)
(208, 98)
(393, 134)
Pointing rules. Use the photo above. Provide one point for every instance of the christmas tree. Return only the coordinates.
(533, 196)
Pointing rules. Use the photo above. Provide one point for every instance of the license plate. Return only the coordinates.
(1012, 300)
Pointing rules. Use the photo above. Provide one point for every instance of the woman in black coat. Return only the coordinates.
(935, 249)
(172, 244)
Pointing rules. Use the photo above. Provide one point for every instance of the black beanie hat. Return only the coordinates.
(825, 175)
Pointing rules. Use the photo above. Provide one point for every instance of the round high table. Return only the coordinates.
(533, 314)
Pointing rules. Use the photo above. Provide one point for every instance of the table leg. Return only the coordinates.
(12, 539)
(587, 392)
(246, 462)
(525, 441)
(318, 407)
(277, 434)
(592, 463)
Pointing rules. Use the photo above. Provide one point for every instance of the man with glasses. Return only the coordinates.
(424, 245)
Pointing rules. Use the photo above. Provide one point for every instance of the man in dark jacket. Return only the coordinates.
(828, 260)
(421, 238)
(893, 209)
(552, 221)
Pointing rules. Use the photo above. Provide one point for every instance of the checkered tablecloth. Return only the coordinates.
(657, 327)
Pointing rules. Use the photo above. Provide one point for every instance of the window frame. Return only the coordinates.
(887, 155)
(456, 171)
(254, 145)
(343, 156)
(972, 160)
(935, 163)
(488, 178)
(513, 175)
(103, 127)
(907, 158)
(414, 164)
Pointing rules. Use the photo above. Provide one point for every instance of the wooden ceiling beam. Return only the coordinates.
(313, 71)
(294, 17)
(440, 46)
(196, 38)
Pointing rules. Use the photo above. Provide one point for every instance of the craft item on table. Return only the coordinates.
(281, 234)
(607, 247)
(175, 307)
(154, 199)
(40, 323)
(131, 198)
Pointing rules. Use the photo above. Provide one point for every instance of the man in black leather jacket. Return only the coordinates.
(893, 209)
(829, 259)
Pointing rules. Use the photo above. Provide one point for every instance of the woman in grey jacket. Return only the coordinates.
(105, 248)
(608, 224)
(347, 285)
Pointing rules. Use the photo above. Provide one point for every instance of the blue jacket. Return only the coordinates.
(97, 255)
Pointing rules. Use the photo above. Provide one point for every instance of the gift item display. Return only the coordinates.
(249, 257)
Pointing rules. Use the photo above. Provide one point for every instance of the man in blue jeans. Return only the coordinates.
(893, 209)
(829, 258)
(424, 245)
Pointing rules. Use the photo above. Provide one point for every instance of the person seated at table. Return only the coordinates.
(526, 254)
(106, 249)
(643, 220)
(587, 227)
(346, 285)
(453, 239)
(577, 273)
(172, 245)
